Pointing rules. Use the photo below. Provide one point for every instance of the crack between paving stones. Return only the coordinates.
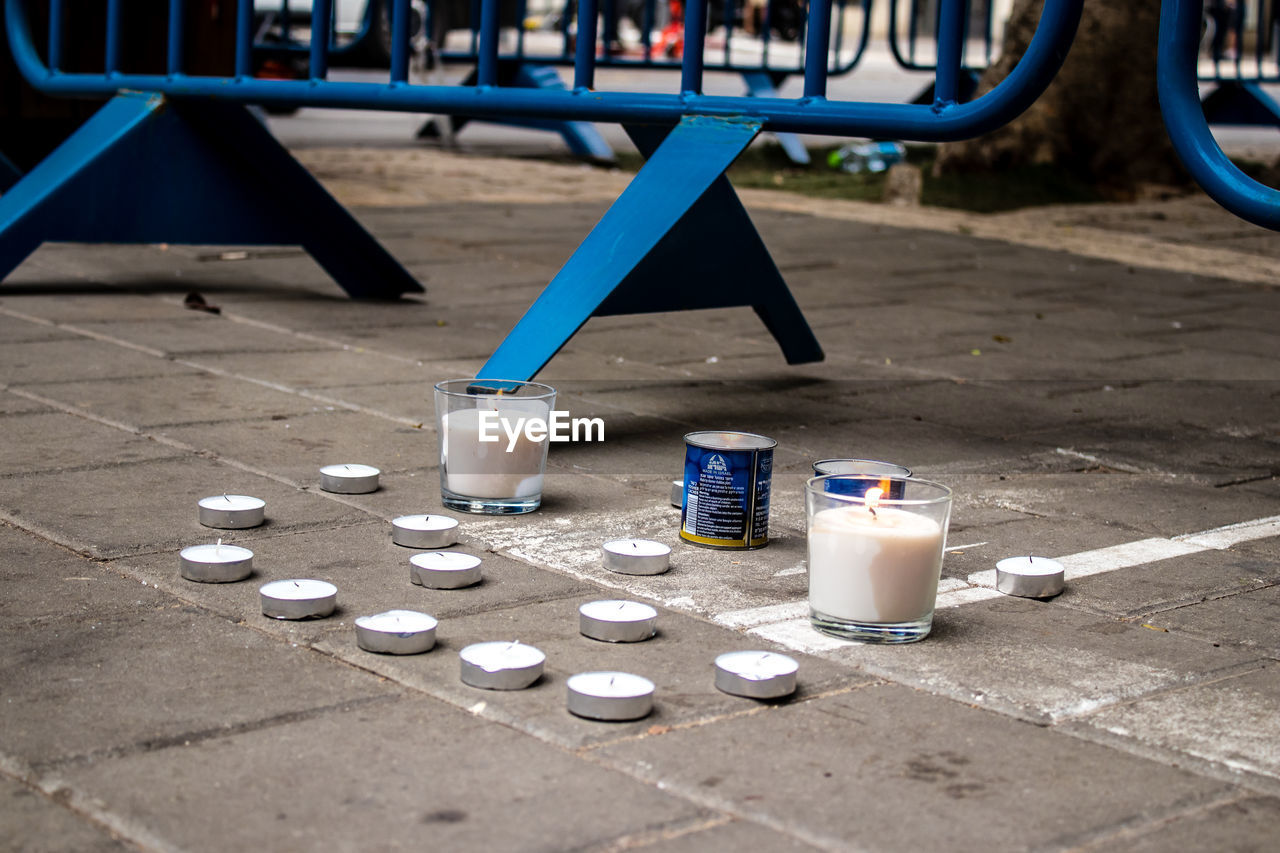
(642, 838)
(84, 807)
(1144, 822)
(200, 736)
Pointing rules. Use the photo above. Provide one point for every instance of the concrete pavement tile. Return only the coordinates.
(1250, 619)
(379, 778)
(731, 837)
(143, 669)
(12, 404)
(1170, 585)
(143, 507)
(1243, 824)
(370, 571)
(934, 769)
(37, 363)
(1230, 723)
(1231, 339)
(1148, 505)
(679, 661)
(200, 332)
(1203, 457)
(35, 824)
(15, 330)
(408, 400)
(298, 446)
(1200, 364)
(94, 304)
(1040, 661)
(53, 441)
(1246, 409)
(314, 369)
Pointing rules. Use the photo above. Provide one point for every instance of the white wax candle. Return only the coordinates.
(610, 695)
(399, 622)
(756, 674)
(617, 621)
(231, 512)
(232, 503)
(301, 598)
(216, 563)
(424, 531)
(482, 469)
(501, 666)
(444, 569)
(637, 556)
(874, 567)
(349, 479)
(396, 632)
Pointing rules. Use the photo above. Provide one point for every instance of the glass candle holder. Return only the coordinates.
(890, 476)
(493, 443)
(874, 561)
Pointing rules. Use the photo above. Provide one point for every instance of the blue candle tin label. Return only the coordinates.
(868, 473)
(727, 478)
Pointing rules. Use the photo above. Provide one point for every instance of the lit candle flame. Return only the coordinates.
(872, 499)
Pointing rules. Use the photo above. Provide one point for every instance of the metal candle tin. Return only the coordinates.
(298, 599)
(232, 512)
(756, 675)
(677, 493)
(610, 696)
(636, 556)
(444, 569)
(349, 479)
(424, 531)
(727, 477)
(396, 632)
(215, 563)
(891, 476)
(501, 666)
(617, 621)
(1030, 577)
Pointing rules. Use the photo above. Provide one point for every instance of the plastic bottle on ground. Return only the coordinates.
(866, 156)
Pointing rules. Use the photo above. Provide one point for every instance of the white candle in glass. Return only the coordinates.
(488, 469)
(874, 565)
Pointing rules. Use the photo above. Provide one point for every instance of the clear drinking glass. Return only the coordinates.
(874, 561)
(886, 471)
(502, 475)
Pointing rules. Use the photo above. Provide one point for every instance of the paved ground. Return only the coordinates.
(1097, 384)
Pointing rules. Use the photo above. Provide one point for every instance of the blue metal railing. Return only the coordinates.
(1180, 37)
(811, 113)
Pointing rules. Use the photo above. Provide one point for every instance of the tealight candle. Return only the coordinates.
(756, 675)
(610, 696)
(1030, 577)
(500, 665)
(396, 632)
(298, 599)
(444, 569)
(232, 512)
(637, 557)
(424, 531)
(215, 563)
(677, 493)
(349, 479)
(617, 621)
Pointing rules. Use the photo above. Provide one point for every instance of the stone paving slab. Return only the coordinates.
(146, 659)
(1248, 618)
(401, 775)
(34, 824)
(110, 512)
(51, 441)
(1040, 661)
(1230, 722)
(1248, 823)
(852, 771)
(39, 363)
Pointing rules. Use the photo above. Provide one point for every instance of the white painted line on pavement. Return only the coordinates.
(788, 625)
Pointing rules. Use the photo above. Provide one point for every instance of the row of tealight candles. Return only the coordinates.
(500, 665)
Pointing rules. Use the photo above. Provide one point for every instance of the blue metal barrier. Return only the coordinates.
(1178, 60)
(138, 170)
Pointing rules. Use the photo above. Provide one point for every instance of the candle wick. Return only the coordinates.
(295, 583)
(611, 680)
(872, 510)
(225, 498)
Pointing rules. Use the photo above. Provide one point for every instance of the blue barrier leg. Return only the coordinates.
(761, 85)
(145, 169)
(1241, 103)
(676, 239)
(581, 136)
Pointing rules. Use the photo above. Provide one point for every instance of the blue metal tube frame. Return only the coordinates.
(177, 26)
(815, 50)
(399, 41)
(244, 39)
(584, 63)
(321, 28)
(695, 24)
(55, 34)
(1188, 129)
(905, 121)
(487, 66)
(113, 37)
(951, 26)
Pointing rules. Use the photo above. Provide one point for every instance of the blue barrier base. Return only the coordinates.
(146, 169)
(581, 136)
(760, 84)
(1241, 103)
(677, 238)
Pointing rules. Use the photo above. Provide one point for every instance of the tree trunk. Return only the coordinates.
(1099, 119)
